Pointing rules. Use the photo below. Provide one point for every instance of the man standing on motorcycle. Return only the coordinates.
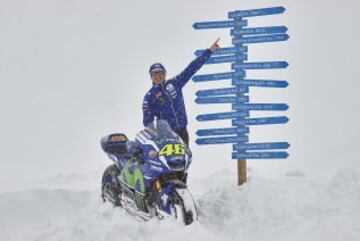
(165, 99)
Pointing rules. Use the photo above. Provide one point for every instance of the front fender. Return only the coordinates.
(175, 183)
(164, 198)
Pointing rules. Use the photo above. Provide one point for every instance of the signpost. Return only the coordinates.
(261, 65)
(254, 31)
(223, 91)
(238, 94)
(219, 76)
(221, 51)
(222, 131)
(221, 100)
(261, 39)
(219, 24)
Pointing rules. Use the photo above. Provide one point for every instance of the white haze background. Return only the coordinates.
(72, 71)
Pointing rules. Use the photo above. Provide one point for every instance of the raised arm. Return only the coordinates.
(182, 78)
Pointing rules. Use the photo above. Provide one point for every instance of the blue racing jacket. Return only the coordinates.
(166, 101)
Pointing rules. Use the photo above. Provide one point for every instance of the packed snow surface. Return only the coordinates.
(287, 207)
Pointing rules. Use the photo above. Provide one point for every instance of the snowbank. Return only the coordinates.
(276, 208)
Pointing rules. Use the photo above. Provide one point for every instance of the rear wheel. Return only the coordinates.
(110, 188)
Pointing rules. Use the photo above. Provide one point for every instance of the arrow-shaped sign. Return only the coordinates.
(260, 106)
(260, 155)
(256, 12)
(219, 24)
(261, 65)
(260, 30)
(261, 146)
(222, 116)
(223, 91)
(260, 39)
(222, 51)
(222, 131)
(226, 59)
(261, 121)
(262, 83)
(219, 100)
(218, 76)
(222, 140)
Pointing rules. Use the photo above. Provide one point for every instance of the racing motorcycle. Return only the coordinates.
(148, 177)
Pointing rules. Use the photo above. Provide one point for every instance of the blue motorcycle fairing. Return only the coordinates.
(115, 146)
(152, 168)
(152, 139)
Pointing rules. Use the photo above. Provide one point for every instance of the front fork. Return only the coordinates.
(165, 192)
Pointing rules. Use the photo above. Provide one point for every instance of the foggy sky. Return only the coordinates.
(72, 71)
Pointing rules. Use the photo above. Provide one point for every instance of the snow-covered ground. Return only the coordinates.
(286, 207)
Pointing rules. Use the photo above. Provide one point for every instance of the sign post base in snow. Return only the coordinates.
(241, 167)
(238, 94)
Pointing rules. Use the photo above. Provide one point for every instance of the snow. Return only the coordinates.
(283, 207)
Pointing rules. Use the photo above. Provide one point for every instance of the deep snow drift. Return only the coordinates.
(287, 207)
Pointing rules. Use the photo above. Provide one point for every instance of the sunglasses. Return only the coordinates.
(157, 72)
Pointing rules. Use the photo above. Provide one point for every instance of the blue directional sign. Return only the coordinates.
(238, 94)
(222, 140)
(226, 59)
(260, 106)
(261, 30)
(218, 76)
(261, 121)
(261, 146)
(260, 155)
(222, 131)
(261, 39)
(262, 83)
(261, 65)
(222, 116)
(221, 51)
(256, 12)
(223, 91)
(219, 100)
(219, 24)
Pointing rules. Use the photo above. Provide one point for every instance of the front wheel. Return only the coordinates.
(183, 207)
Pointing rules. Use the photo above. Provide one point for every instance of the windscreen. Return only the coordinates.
(161, 129)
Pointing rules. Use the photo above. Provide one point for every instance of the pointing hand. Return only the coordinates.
(215, 45)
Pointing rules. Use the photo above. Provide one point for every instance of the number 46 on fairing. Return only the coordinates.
(172, 149)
